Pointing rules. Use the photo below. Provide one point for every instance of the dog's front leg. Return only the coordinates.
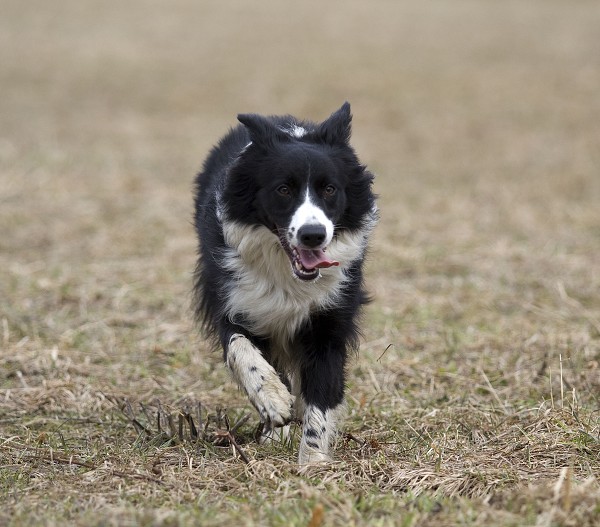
(323, 396)
(260, 381)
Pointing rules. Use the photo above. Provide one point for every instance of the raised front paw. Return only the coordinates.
(270, 397)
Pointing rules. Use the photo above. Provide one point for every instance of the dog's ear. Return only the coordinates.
(336, 129)
(262, 131)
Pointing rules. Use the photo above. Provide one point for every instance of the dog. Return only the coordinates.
(283, 213)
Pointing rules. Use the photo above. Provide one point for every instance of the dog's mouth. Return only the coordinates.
(306, 263)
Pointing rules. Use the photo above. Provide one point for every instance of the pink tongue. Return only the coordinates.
(315, 259)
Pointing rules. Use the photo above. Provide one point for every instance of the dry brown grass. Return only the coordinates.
(475, 399)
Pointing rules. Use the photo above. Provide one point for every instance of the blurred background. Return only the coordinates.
(481, 120)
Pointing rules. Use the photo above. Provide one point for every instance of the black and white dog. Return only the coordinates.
(283, 212)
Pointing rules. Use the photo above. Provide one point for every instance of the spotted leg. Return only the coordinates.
(323, 396)
(260, 381)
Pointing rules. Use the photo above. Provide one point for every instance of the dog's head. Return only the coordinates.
(301, 181)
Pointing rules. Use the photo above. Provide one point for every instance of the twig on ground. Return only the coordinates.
(352, 437)
(385, 351)
(226, 434)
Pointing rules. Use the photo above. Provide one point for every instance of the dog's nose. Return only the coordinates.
(312, 235)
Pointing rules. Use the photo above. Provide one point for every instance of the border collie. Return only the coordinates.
(283, 213)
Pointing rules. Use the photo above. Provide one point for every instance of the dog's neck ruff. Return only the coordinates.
(264, 293)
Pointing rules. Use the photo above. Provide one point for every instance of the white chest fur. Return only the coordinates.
(265, 292)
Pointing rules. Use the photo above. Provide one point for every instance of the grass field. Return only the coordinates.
(475, 399)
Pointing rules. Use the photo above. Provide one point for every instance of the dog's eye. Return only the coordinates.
(329, 191)
(284, 190)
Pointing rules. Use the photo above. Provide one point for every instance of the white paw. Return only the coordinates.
(318, 433)
(308, 454)
(270, 397)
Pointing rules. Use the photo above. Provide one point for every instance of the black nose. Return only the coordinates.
(312, 235)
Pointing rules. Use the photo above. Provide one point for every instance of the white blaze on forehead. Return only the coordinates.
(309, 214)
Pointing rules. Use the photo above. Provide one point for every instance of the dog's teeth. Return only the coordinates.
(301, 269)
